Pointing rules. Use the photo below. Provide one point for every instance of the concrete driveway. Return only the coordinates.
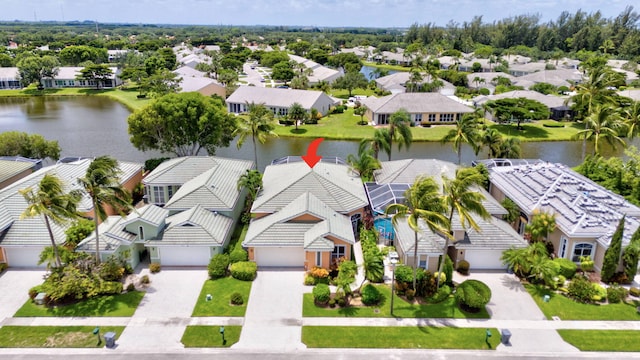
(273, 320)
(14, 289)
(164, 312)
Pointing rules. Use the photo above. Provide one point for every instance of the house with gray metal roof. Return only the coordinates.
(424, 108)
(586, 213)
(397, 83)
(318, 72)
(278, 100)
(22, 240)
(556, 104)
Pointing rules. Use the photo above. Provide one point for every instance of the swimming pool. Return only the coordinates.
(385, 228)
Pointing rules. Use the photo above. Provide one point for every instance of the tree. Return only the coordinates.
(423, 204)
(78, 231)
(542, 224)
(400, 130)
(258, 124)
(350, 81)
(97, 73)
(297, 113)
(34, 146)
(513, 212)
(603, 123)
(461, 197)
(227, 77)
(509, 149)
(492, 139)
(252, 181)
(161, 83)
(282, 71)
(612, 254)
(518, 109)
(631, 254)
(102, 184)
(364, 164)
(380, 141)
(182, 124)
(466, 131)
(360, 111)
(169, 58)
(76, 54)
(632, 119)
(52, 203)
(33, 69)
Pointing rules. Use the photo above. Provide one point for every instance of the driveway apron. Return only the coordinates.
(14, 289)
(273, 321)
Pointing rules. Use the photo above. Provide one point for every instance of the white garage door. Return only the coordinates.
(280, 256)
(24, 257)
(184, 256)
(484, 259)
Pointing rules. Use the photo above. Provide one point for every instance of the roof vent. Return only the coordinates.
(215, 213)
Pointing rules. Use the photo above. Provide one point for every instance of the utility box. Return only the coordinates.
(39, 299)
(110, 339)
(505, 336)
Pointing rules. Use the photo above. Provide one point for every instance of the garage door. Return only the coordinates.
(184, 256)
(280, 256)
(484, 259)
(23, 257)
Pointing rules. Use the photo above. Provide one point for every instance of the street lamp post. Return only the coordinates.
(393, 279)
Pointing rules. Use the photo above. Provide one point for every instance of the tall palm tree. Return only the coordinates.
(258, 124)
(423, 202)
(462, 198)
(400, 130)
(51, 202)
(364, 164)
(466, 131)
(101, 182)
(509, 149)
(492, 139)
(380, 141)
(603, 123)
(632, 119)
(297, 113)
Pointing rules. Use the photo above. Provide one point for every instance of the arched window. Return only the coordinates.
(582, 249)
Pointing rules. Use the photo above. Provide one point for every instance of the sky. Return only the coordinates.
(322, 13)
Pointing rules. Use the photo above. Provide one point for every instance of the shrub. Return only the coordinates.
(404, 274)
(131, 287)
(238, 254)
(447, 269)
(634, 291)
(586, 263)
(218, 266)
(580, 289)
(551, 124)
(236, 298)
(484, 91)
(145, 279)
(473, 295)
(244, 270)
(600, 292)
(410, 294)
(567, 267)
(463, 267)
(441, 295)
(110, 287)
(111, 270)
(154, 268)
(321, 293)
(319, 273)
(370, 295)
(616, 294)
(342, 301)
(332, 303)
(309, 280)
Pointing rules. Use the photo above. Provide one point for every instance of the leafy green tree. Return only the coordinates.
(400, 130)
(182, 124)
(160, 83)
(258, 124)
(97, 73)
(297, 113)
(102, 183)
(227, 77)
(360, 111)
(350, 81)
(364, 164)
(630, 256)
(612, 254)
(252, 181)
(76, 54)
(423, 203)
(518, 109)
(603, 123)
(466, 131)
(349, 62)
(78, 231)
(33, 69)
(544, 88)
(169, 58)
(51, 202)
(510, 149)
(542, 224)
(282, 71)
(491, 138)
(34, 146)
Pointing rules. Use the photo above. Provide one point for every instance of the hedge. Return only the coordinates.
(244, 270)
(218, 266)
(473, 294)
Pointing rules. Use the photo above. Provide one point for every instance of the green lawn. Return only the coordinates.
(209, 336)
(221, 290)
(387, 66)
(126, 97)
(603, 340)
(53, 336)
(123, 305)
(401, 309)
(567, 309)
(398, 337)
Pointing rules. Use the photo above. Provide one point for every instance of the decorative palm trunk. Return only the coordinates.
(53, 242)
(95, 220)
(415, 261)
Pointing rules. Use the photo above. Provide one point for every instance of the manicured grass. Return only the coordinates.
(567, 309)
(401, 309)
(209, 336)
(398, 337)
(221, 290)
(54, 336)
(536, 131)
(127, 97)
(387, 66)
(603, 340)
(111, 305)
(344, 94)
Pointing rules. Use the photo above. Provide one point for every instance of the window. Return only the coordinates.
(338, 252)
(318, 258)
(432, 117)
(422, 263)
(446, 117)
(582, 249)
(383, 119)
(562, 252)
(158, 194)
(141, 232)
(417, 118)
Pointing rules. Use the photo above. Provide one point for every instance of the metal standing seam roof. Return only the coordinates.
(279, 230)
(178, 171)
(112, 235)
(214, 189)
(415, 103)
(196, 226)
(333, 184)
(276, 97)
(582, 208)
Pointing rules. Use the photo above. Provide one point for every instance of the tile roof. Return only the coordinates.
(112, 235)
(415, 103)
(189, 84)
(151, 214)
(560, 77)
(550, 101)
(277, 97)
(334, 184)
(178, 171)
(196, 226)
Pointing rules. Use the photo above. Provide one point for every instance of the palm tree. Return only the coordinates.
(297, 113)
(101, 182)
(461, 197)
(423, 202)
(53, 204)
(364, 164)
(492, 139)
(258, 124)
(509, 149)
(466, 131)
(415, 78)
(632, 119)
(604, 123)
(381, 141)
(252, 181)
(400, 130)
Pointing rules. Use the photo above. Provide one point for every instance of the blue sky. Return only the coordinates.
(376, 13)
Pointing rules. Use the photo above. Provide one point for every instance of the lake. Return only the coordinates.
(94, 126)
